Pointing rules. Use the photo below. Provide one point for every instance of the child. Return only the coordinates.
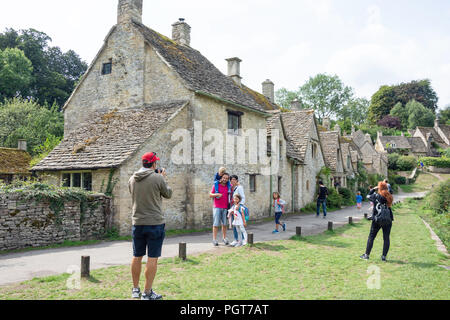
(238, 220)
(217, 179)
(359, 200)
(279, 205)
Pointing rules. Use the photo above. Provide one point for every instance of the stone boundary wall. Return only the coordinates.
(27, 223)
(438, 170)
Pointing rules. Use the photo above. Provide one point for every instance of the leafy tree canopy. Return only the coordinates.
(22, 119)
(444, 115)
(15, 72)
(54, 73)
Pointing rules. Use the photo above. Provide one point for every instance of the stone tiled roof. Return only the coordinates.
(359, 138)
(345, 147)
(14, 161)
(446, 130)
(271, 121)
(417, 145)
(330, 145)
(297, 126)
(199, 74)
(109, 139)
(399, 141)
(425, 131)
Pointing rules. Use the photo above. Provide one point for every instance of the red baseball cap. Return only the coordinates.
(150, 157)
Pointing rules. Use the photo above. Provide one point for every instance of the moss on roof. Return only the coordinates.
(14, 161)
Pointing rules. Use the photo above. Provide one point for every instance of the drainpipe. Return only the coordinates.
(293, 185)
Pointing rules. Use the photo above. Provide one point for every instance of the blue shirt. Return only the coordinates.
(359, 199)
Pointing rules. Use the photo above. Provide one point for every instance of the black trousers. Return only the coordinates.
(386, 237)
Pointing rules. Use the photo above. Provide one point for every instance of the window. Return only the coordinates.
(279, 184)
(234, 122)
(252, 183)
(107, 68)
(269, 146)
(77, 180)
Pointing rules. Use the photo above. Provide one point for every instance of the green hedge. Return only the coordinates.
(439, 199)
(442, 162)
(348, 197)
(406, 163)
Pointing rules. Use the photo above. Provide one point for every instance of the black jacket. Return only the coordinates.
(378, 199)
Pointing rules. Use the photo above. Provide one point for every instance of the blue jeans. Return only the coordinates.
(235, 231)
(322, 202)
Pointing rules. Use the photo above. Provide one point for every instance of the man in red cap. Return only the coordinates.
(147, 187)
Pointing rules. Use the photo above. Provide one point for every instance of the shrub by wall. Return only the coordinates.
(442, 162)
(406, 163)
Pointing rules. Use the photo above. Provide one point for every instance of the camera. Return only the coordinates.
(158, 170)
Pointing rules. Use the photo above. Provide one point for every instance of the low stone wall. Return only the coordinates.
(28, 223)
(438, 170)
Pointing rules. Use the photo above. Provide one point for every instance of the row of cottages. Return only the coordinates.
(424, 141)
(147, 92)
(141, 89)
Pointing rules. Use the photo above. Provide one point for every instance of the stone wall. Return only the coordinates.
(27, 223)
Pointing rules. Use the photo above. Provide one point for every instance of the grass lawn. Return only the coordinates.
(325, 266)
(424, 182)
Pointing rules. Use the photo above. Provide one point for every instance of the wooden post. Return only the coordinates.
(250, 239)
(350, 220)
(366, 215)
(330, 225)
(182, 251)
(299, 231)
(85, 266)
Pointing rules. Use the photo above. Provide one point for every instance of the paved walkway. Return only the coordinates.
(24, 266)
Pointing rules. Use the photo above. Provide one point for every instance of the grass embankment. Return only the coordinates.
(424, 182)
(325, 266)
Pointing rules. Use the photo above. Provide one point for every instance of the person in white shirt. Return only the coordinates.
(237, 188)
(238, 221)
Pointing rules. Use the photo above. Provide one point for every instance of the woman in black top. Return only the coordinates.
(381, 197)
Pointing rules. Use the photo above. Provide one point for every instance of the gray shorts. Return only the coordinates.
(219, 217)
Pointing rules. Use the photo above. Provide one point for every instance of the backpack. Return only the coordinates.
(246, 212)
(383, 217)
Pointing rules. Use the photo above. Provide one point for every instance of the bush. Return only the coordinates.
(439, 199)
(348, 196)
(392, 161)
(443, 162)
(399, 180)
(406, 163)
(334, 199)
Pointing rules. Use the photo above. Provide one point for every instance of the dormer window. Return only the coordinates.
(107, 68)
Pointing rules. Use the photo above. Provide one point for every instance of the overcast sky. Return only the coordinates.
(367, 43)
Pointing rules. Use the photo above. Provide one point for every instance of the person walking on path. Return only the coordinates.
(220, 210)
(322, 200)
(380, 196)
(236, 218)
(279, 206)
(237, 189)
(147, 187)
(359, 200)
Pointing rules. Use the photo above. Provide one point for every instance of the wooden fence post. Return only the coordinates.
(298, 231)
(330, 225)
(250, 239)
(350, 220)
(183, 251)
(85, 266)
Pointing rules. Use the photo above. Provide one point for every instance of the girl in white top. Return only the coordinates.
(239, 220)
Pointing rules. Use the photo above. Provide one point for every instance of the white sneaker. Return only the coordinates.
(239, 244)
(226, 242)
(215, 243)
(244, 243)
(233, 243)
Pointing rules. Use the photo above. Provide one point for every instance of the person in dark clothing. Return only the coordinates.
(322, 200)
(379, 196)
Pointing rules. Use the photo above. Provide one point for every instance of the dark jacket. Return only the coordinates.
(378, 199)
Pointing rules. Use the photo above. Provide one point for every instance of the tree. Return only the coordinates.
(15, 73)
(390, 122)
(384, 100)
(444, 115)
(54, 72)
(355, 111)
(419, 115)
(23, 119)
(285, 97)
(399, 111)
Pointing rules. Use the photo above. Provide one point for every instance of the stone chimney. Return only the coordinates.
(181, 32)
(379, 134)
(369, 138)
(22, 145)
(268, 89)
(353, 130)
(436, 123)
(234, 70)
(326, 123)
(337, 128)
(129, 10)
(296, 105)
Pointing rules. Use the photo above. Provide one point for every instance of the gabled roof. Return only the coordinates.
(109, 139)
(330, 145)
(425, 131)
(297, 126)
(200, 75)
(14, 161)
(400, 142)
(417, 145)
(446, 130)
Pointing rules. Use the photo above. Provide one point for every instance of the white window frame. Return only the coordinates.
(71, 178)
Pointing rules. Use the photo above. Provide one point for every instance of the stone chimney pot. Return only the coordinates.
(234, 70)
(268, 89)
(22, 145)
(181, 32)
(129, 10)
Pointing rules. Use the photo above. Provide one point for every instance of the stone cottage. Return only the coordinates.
(433, 138)
(332, 150)
(148, 92)
(412, 146)
(303, 153)
(14, 163)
